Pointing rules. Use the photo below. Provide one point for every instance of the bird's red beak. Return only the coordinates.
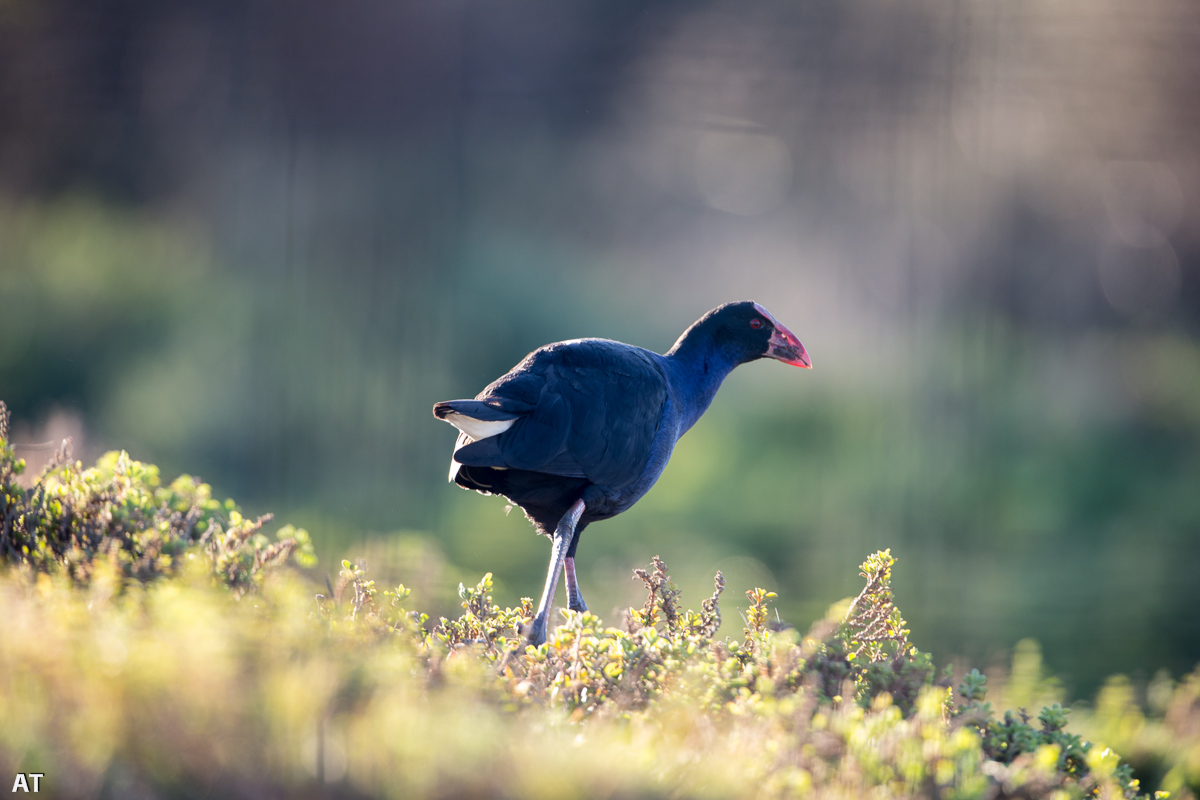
(783, 344)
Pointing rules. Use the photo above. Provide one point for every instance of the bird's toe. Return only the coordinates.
(535, 632)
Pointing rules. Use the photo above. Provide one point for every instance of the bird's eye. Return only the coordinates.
(756, 323)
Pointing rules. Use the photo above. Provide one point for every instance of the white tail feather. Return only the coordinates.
(463, 440)
(476, 428)
(473, 430)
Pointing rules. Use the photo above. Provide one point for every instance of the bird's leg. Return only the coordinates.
(558, 554)
(574, 596)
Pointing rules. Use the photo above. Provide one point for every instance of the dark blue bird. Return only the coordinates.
(580, 430)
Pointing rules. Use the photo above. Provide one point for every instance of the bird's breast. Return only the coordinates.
(609, 501)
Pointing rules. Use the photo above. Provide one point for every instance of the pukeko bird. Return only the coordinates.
(580, 430)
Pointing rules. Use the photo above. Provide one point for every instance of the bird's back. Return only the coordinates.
(585, 412)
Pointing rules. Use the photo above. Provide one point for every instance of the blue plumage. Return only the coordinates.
(580, 430)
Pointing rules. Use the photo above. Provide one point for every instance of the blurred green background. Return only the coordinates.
(257, 241)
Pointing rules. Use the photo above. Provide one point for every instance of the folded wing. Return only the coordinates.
(586, 409)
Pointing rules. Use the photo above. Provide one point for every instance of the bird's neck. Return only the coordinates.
(696, 371)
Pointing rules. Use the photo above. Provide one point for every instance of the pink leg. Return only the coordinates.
(574, 597)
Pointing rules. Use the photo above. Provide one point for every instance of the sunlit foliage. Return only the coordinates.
(138, 658)
(119, 511)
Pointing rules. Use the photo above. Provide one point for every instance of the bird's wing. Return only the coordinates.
(593, 409)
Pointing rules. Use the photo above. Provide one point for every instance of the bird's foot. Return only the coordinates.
(535, 632)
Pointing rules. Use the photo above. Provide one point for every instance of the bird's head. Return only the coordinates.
(746, 331)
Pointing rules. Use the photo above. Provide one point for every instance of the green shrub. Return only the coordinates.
(119, 512)
(181, 688)
(128, 668)
(853, 705)
(1159, 736)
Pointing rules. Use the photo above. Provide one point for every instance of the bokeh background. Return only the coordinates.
(255, 241)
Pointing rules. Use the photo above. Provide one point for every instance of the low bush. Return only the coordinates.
(120, 512)
(129, 668)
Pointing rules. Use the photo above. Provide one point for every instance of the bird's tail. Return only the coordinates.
(475, 409)
(477, 420)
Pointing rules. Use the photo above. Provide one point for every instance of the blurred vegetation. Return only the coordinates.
(181, 688)
(1151, 723)
(1014, 491)
(176, 680)
(1022, 470)
(255, 242)
(118, 513)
